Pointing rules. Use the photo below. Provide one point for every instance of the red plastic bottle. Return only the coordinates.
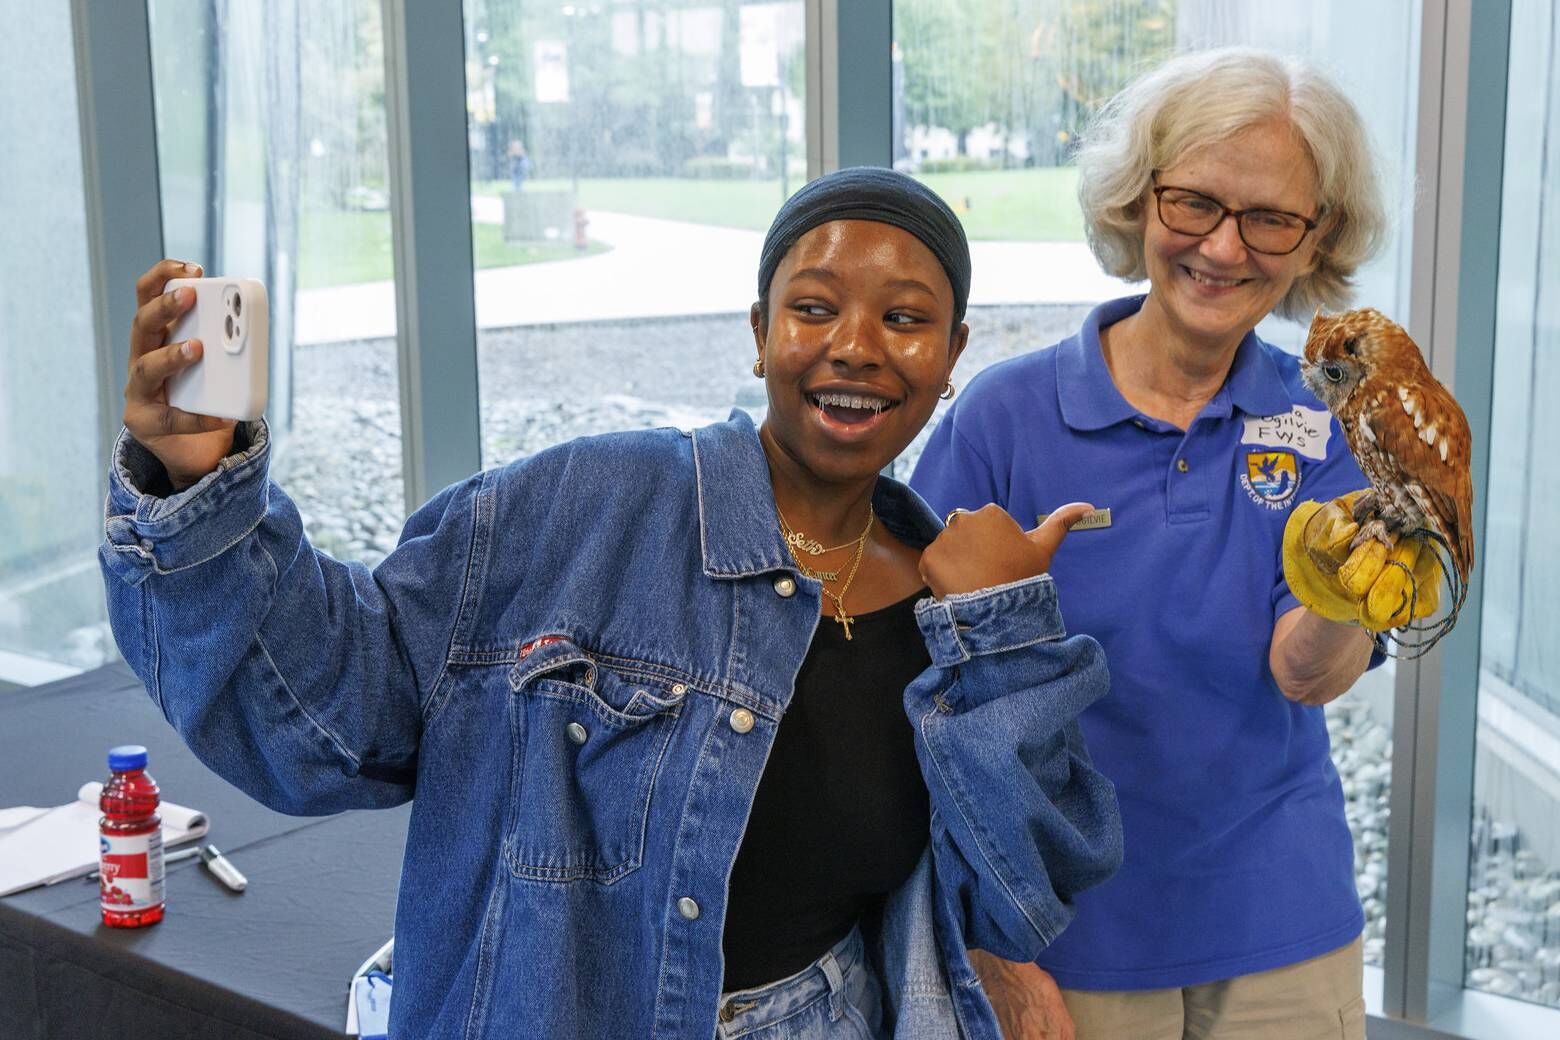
(130, 874)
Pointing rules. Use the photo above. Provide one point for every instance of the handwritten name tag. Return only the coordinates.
(1303, 429)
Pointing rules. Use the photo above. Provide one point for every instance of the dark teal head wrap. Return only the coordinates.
(872, 193)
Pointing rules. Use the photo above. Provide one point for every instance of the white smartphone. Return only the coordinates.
(231, 318)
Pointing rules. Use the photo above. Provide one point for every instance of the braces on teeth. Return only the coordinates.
(876, 404)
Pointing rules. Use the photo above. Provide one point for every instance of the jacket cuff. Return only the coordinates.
(965, 625)
(146, 532)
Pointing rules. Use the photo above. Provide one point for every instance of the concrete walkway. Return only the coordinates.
(665, 268)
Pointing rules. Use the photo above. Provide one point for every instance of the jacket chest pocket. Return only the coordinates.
(588, 744)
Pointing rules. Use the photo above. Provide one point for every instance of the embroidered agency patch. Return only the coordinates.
(1301, 429)
(1270, 478)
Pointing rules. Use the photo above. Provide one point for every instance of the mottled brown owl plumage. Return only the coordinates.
(1405, 429)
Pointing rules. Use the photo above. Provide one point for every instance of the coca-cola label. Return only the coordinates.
(130, 871)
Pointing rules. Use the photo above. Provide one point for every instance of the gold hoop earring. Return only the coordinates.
(758, 368)
(947, 391)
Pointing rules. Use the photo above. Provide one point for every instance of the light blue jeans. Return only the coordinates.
(837, 997)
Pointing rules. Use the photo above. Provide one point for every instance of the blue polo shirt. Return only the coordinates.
(1238, 858)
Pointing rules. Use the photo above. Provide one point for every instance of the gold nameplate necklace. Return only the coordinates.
(796, 543)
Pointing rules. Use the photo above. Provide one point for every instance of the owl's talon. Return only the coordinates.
(1365, 508)
(1376, 529)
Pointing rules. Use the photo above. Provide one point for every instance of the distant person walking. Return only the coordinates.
(519, 164)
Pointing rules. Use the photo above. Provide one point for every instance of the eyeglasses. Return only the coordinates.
(1270, 231)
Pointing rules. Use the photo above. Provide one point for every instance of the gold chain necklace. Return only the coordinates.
(795, 539)
(841, 618)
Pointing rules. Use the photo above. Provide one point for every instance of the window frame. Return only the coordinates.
(1452, 311)
(119, 159)
(430, 218)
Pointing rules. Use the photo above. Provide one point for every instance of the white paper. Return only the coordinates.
(14, 817)
(44, 846)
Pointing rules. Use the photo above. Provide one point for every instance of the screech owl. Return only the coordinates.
(1408, 434)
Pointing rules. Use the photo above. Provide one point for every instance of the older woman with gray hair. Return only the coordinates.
(1238, 184)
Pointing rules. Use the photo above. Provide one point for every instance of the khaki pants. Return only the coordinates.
(1318, 999)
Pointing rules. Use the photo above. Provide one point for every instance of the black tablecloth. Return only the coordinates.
(272, 962)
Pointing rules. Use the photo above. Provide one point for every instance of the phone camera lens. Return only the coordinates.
(238, 305)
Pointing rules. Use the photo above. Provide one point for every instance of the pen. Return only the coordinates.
(224, 870)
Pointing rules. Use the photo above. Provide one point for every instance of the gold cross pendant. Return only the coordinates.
(844, 620)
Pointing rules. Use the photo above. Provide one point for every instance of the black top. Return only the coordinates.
(841, 815)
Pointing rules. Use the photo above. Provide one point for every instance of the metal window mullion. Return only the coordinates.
(430, 208)
(822, 102)
(118, 129)
(1466, 362)
(216, 136)
(849, 84)
(866, 83)
(1404, 930)
(1463, 67)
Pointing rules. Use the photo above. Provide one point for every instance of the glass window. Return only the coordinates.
(626, 159)
(1513, 938)
(52, 618)
(271, 139)
(989, 100)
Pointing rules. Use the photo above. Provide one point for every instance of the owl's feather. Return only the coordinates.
(1433, 471)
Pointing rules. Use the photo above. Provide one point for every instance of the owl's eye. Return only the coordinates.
(1334, 373)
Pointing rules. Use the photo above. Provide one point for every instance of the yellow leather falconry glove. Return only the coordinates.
(1377, 588)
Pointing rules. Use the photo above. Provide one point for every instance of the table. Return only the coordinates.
(271, 963)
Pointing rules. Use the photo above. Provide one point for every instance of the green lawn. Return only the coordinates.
(1036, 205)
(727, 203)
(346, 248)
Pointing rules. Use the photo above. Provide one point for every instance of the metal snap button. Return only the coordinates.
(688, 908)
(742, 720)
(1181, 465)
(678, 689)
(785, 586)
(732, 1008)
(576, 732)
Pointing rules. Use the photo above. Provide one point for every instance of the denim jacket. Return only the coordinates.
(577, 663)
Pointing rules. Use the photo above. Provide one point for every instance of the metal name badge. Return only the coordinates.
(1088, 522)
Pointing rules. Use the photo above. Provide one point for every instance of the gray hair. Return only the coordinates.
(1199, 99)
